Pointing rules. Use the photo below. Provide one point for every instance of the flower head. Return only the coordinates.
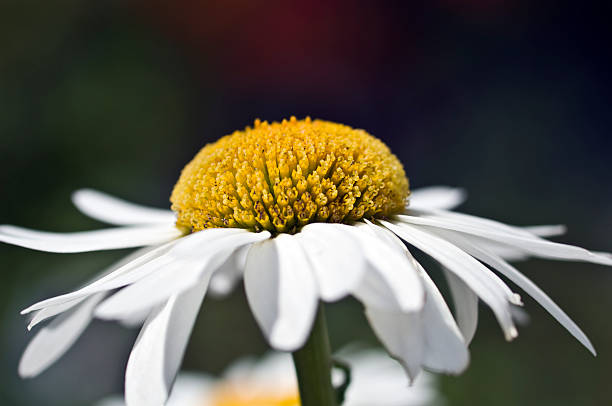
(302, 211)
(282, 176)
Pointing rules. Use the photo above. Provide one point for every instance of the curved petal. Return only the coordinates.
(229, 273)
(466, 305)
(150, 291)
(429, 338)
(488, 278)
(112, 210)
(281, 291)
(445, 348)
(524, 283)
(534, 245)
(437, 197)
(401, 335)
(159, 348)
(121, 276)
(108, 239)
(53, 340)
(336, 258)
(180, 274)
(504, 251)
(476, 275)
(391, 282)
(53, 310)
(468, 219)
(552, 230)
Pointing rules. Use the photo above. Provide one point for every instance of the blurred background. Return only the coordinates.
(509, 99)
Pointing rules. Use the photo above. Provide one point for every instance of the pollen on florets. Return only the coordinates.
(282, 176)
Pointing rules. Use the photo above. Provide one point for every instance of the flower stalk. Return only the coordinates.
(313, 365)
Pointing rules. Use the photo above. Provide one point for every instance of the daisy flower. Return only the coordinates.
(303, 211)
(271, 381)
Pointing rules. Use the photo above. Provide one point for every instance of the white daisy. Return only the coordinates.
(305, 211)
(376, 379)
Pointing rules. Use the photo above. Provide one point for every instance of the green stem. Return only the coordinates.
(313, 365)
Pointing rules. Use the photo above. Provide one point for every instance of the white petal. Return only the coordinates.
(112, 210)
(524, 283)
(466, 305)
(477, 276)
(437, 197)
(108, 239)
(229, 273)
(124, 275)
(547, 230)
(158, 352)
(491, 280)
(195, 389)
(51, 311)
(384, 235)
(463, 218)
(401, 335)
(143, 295)
(516, 254)
(180, 274)
(536, 246)
(392, 281)
(376, 379)
(336, 257)
(154, 259)
(54, 310)
(428, 338)
(132, 319)
(504, 251)
(281, 291)
(445, 349)
(193, 245)
(53, 340)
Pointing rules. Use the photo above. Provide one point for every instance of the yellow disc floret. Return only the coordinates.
(281, 176)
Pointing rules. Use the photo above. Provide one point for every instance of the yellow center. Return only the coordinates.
(281, 176)
(243, 398)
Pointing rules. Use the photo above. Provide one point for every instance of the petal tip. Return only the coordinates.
(25, 370)
(511, 334)
(516, 300)
(283, 343)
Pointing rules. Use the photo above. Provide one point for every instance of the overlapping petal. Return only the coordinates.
(428, 338)
(181, 272)
(504, 234)
(336, 259)
(478, 277)
(53, 340)
(499, 264)
(281, 290)
(159, 348)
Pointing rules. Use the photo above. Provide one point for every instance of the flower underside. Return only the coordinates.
(282, 176)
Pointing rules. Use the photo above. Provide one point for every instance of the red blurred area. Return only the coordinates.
(283, 43)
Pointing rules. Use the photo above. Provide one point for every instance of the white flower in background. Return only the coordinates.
(303, 211)
(377, 380)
